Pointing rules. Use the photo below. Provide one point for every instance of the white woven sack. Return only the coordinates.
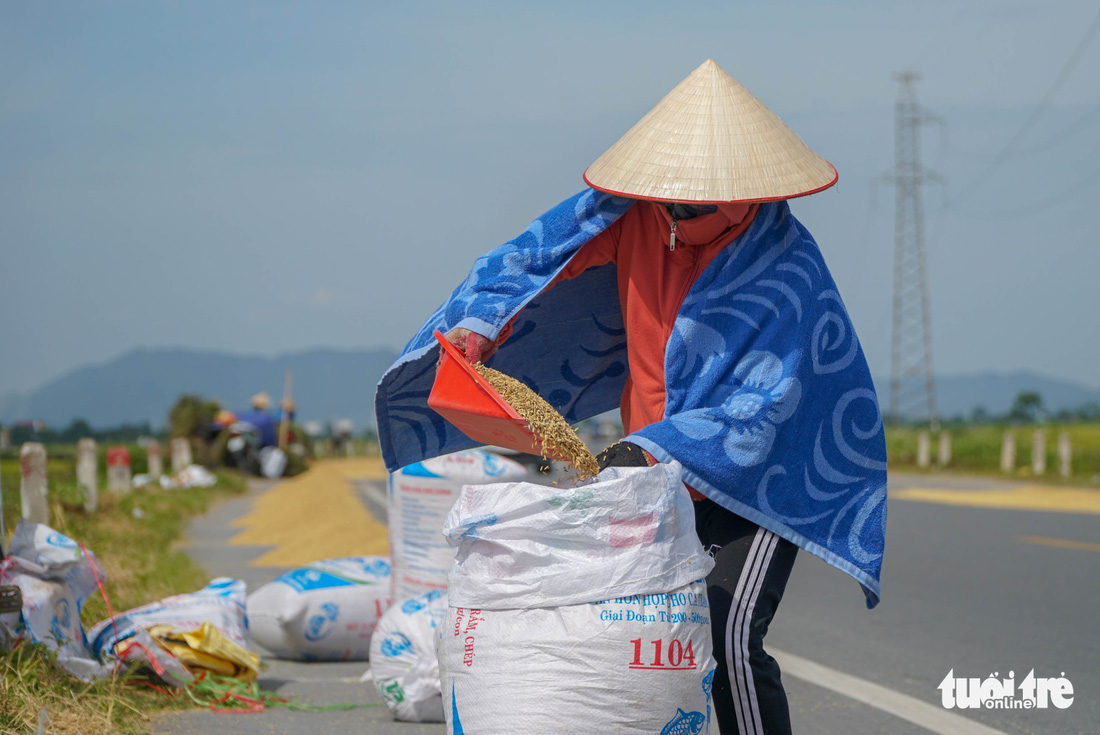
(420, 496)
(620, 666)
(325, 611)
(525, 545)
(57, 556)
(579, 609)
(404, 664)
(220, 603)
(55, 576)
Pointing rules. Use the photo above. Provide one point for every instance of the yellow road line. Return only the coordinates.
(1061, 543)
(1032, 497)
(315, 515)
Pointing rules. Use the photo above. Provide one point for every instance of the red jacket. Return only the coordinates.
(653, 282)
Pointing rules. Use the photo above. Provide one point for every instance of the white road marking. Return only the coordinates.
(931, 717)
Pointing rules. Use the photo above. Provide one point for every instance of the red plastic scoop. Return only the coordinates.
(466, 399)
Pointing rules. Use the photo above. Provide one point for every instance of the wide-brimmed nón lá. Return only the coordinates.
(710, 140)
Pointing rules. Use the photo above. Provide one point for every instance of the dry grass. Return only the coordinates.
(134, 550)
(30, 683)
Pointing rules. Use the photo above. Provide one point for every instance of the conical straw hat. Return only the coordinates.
(710, 140)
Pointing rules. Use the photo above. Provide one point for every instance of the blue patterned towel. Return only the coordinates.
(770, 406)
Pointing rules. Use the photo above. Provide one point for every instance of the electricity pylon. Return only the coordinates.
(912, 380)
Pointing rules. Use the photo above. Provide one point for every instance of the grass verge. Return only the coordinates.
(133, 535)
(976, 449)
(31, 684)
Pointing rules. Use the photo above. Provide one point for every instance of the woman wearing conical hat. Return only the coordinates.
(680, 289)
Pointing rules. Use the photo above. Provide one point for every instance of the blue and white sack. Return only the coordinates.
(55, 577)
(325, 611)
(221, 603)
(59, 555)
(578, 609)
(420, 496)
(404, 664)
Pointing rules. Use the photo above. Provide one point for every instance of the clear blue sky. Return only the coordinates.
(262, 177)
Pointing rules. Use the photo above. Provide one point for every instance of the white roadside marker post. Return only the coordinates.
(1039, 452)
(155, 460)
(1008, 453)
(181, 454)
(1065, 455)
(119, 472)
(33, 490)
(87, 473)
(924, 450)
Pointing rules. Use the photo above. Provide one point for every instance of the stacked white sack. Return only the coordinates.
(325, 611)
(403, 661)
(420, 496)
(578, 610)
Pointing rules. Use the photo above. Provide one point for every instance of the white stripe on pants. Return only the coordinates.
(737, 630)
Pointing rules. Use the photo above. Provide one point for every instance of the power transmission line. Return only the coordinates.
(1064, 134)
(1006, 153)
(1039, 205)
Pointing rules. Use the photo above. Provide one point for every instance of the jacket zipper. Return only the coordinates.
(690, 282)
(697, 254)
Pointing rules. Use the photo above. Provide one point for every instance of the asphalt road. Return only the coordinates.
(974, 590)
(961, 591)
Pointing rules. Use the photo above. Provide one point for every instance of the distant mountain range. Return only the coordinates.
(959, 395)
(142, 385)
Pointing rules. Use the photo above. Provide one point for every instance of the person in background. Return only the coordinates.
(267, 428)
(260, 402)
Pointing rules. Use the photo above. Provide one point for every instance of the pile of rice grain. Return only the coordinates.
(553, 432)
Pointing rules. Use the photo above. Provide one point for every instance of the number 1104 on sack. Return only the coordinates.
(657, 655)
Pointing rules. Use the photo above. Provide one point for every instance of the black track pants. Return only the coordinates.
(750, 573)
